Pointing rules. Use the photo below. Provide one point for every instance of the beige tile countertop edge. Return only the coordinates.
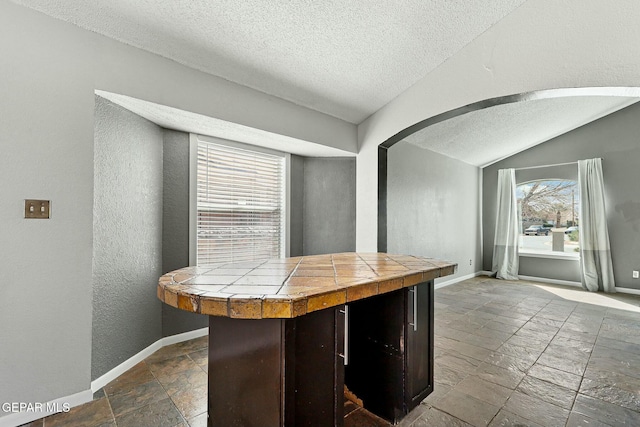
(303, 284)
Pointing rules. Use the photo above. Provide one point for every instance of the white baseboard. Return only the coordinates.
(105, 379)
(539, 279)
(456, 280)
(19, 418)
(628, 291)
(185, 336)
(566, 283)
(551, 281)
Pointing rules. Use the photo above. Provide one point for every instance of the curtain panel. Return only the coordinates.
(595, 252)
(505, 243)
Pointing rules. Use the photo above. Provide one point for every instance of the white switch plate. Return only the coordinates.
(636, 274)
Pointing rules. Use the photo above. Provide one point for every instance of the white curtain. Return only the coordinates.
(595, 252)
(505, 243)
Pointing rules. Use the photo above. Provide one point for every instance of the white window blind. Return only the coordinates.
(240, 204)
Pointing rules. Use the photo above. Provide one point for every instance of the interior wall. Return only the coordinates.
(543, 44)
(175, 227)
(329, 210)
(433, 207)
(613, 138)
(50, 70)
(557, 269)
(127, 235)
(296, 208)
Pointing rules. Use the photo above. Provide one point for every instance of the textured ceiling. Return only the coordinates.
(343, 58)
(173, 118)
(485, 136)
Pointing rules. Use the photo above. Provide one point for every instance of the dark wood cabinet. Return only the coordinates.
(390, 348)
(418, 344)
(277, 372)
(289, 372)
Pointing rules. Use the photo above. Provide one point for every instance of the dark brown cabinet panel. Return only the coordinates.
(419, 344)
(277, 372)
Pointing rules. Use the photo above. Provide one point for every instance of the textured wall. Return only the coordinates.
(613, 138)
(127, 235)
(329, 214)
(296, 216)
(49, 76)
(433, 207)
(175, 227)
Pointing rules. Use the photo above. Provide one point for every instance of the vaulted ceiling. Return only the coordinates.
(343, 58)
(485, 136)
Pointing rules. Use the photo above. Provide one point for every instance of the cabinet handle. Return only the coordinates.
(414, 291)
(346, 334)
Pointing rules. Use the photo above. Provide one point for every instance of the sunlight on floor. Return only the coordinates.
(619, 301)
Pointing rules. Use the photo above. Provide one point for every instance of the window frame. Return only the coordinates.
(193, 184)
(532, 253)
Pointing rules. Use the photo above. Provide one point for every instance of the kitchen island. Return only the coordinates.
(286, 335)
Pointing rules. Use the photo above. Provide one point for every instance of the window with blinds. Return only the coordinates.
(240, 204)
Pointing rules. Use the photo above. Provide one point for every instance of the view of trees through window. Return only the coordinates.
(545, 207)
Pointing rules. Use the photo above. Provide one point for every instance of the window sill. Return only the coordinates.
(551, 255)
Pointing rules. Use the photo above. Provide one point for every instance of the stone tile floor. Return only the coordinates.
(167, 389)
(506, 354)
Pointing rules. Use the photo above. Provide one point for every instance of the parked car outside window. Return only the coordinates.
(571, 229)
(536, 230)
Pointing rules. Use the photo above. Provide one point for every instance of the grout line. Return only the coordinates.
(113, 415)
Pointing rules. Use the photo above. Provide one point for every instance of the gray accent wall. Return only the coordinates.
(296, 201)
(127, 235)
(613, 138)
(329, 205)
(175, 227)
(547, 268)
(433, 207)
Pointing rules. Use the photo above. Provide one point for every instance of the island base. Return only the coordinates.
(277, 372)
(291, 372)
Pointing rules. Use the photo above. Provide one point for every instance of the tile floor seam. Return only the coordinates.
(520, 382)
(150, 403)
(589, 359)
(183, 415)
(113, 415)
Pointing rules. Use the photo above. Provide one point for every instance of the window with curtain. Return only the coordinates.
(240, 203)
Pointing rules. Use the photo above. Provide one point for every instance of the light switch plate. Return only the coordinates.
(39, 209)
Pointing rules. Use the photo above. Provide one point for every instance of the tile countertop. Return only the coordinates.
(291, 287)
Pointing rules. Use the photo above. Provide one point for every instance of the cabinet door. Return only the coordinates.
(375, 372)
(314, 369)
(419, 344)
